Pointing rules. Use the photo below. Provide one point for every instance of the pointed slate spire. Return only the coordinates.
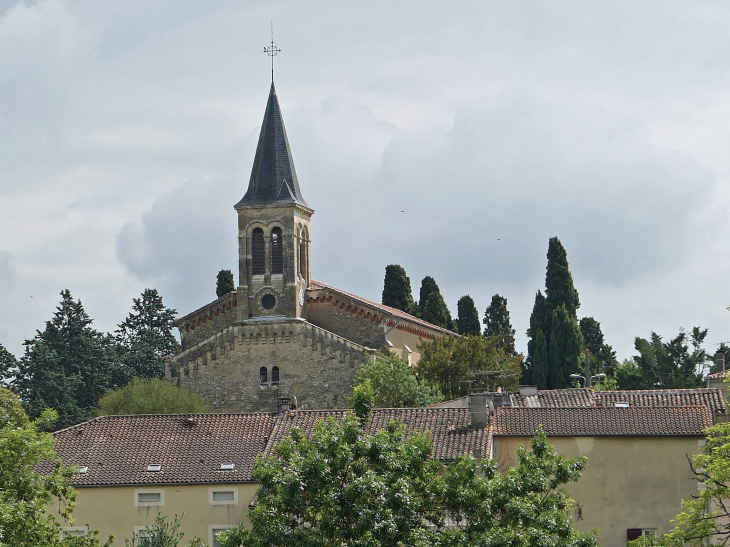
(273, 177)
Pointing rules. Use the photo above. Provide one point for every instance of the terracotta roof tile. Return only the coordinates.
(687, 420)
(450, 429)
(659, 398)
(571, 397)
(318, 286)
(117, 449)
(721, 375)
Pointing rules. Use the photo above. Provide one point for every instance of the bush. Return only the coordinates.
(152, 397)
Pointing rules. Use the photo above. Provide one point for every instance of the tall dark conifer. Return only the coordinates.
(559, 289)
(468, 316)
(224, 283)
(428, 285)
(437, 312)
(68, 366)
(146, 337)
(496, 319)
(539, 362)
(538, 320)
(564, 349)
(397, 291)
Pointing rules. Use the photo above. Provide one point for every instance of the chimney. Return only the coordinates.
(478, 410)
(528, 391)
(283, 404)
(719, 361)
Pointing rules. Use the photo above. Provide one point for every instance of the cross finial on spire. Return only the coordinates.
(272, 51)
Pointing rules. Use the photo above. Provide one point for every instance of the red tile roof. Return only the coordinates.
(571, 397)
(190, 448)
(721, 375)
(649, 421)
(318, 286)
(658, 398)
(450, 429)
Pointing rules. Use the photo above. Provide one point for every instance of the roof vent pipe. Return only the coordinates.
(719, 361)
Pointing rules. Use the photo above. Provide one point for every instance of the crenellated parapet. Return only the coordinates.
(271, 332)
(208, 320)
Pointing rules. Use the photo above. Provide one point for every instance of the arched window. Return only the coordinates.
(303, 254)
(263, 375)
(258, 252)
(277, 252)
(275, 376)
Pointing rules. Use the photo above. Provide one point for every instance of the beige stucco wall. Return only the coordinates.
(112, 510)
(630, 482)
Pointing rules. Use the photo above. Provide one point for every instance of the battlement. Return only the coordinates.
(208, 320)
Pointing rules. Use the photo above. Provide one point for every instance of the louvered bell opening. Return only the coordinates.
(277, 252)
(258, 252)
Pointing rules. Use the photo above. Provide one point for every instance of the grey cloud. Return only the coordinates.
(7, 272)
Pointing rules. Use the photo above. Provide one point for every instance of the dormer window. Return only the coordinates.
(154, 467)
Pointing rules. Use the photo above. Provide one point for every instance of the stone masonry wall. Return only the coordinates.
(315, 365)
(366, 330)
(207, 321)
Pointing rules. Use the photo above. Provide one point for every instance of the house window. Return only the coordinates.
(275, 376)
(213, 531)
(263, 376)
(648, 532)
(74, 531)
(147, 497)
(258, 252)
(223, 495)
(277, 252)
(143, 535)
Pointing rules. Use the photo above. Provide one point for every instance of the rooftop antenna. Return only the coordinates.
(272, 51)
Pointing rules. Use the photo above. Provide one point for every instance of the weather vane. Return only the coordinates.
(272, 51)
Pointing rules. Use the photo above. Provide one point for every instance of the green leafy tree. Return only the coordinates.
(397, 291)
(628, 375)
(559, 289)
(673, 364)
(162, 534)
(497, 323)
(524, 507)
(33, 479)
(224, 283)
(146, 337)
(395, 384)
(69, 366)
(343, 487)
(602, 354)
(153, 396)
(456, 365)
(565, 347)
(468, 316)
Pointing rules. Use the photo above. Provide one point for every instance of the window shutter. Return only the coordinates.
(633, 533)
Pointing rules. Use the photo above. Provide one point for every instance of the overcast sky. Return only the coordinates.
(453, 138)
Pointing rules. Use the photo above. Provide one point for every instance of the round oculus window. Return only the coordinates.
(268, 301)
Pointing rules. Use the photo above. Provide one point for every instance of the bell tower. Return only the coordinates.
(273, 228)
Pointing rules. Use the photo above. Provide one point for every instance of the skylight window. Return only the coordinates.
(83, 470)
(228, 466)
(621, 404)
(154, 467)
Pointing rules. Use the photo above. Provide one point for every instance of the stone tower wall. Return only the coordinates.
(315, 365)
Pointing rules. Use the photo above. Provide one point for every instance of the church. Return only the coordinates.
(283, 340)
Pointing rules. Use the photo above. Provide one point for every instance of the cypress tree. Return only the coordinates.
(224, 283)
(538, 319)
(428, 285)
(564, 349)
(540, 362)
(559, 289)
(468, 316)
(397, 289)
(496, 319)
(436, 312)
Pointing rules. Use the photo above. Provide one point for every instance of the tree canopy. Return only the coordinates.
(224, 283)
(343, 486)
(145, 337)
(395, 384)
(559, 288)
(497, 323)
(468, 316)
(69, 366)
(397, 291)
(457, 364)
(153, 396)
(437, 312)
(33, 479)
